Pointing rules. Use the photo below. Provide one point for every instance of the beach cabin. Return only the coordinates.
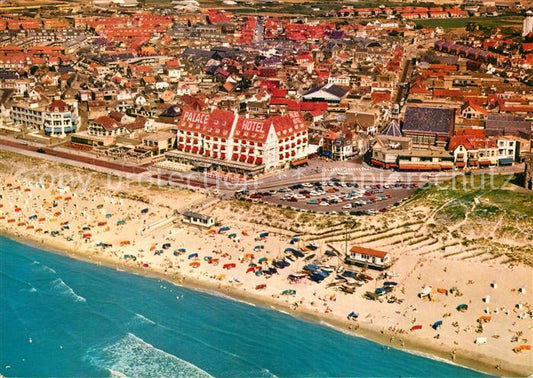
(198, 219)
(368, 257)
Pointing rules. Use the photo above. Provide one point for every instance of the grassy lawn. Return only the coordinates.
(481, 21)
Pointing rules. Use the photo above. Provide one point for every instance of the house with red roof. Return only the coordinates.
(369, 257)
(106, 126)
(472, 150)
(472, 111)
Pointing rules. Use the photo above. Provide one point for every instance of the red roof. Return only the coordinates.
(278, 92)
(368, 251)
(289, 124)
(470, 142)
(218, 123)
(58, 106)
(252, 129)
(108, 123)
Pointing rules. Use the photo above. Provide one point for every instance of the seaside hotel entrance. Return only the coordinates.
(207, 164)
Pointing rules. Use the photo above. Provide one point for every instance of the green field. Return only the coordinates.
(299, 7)
(481, 21)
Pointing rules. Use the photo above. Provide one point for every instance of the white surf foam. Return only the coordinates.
(144, 319)
(59, 285)
(44, 267)
(117, 374)
(224, 296)
(131, 356)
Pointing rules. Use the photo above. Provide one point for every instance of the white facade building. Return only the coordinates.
(225, 139)
(58, 118)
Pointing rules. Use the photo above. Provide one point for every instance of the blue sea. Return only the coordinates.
(64, 317)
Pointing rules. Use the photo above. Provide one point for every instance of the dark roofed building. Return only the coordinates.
(507, 124)
(429, 126)
(329, 92)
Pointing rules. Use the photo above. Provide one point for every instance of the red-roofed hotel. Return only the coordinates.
(224, 139)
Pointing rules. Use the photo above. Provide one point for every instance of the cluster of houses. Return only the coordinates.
(405, 13)
(428, 139)
(215, 90)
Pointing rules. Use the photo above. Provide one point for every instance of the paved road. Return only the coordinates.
(92, 161)
(317, 170)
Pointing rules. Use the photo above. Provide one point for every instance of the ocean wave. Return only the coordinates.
(61, 286)
(44, 267)
(218, 294)
(131, 356)
(144, 319)
(280, 311)
(267, 373)
(116, 374)
(30, 288)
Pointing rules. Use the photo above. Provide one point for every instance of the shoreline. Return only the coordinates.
(411, 344)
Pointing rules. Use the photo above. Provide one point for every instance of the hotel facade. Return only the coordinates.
(226, 140)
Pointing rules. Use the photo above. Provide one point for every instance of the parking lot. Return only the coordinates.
(336, 196)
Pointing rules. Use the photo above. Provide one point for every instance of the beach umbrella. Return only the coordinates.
(262, 260)
(194, 264)
(416, 327)
(437, 324)
(353, 315)
(520, 348)
(207, 258)
(193, 255)
(182, 250)
(484, 319)
(251, 269)
(252, 264)
(231, 236)
(294, 241)
(462, 307)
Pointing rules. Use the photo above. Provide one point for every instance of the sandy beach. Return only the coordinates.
(141, 230)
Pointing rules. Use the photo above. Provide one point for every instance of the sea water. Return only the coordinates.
(64, 317)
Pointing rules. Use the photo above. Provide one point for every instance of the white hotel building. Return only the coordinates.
(57, 118)
(224, 139)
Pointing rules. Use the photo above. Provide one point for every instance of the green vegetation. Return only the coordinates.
(496, 214)
(300, 7)
(451, 23)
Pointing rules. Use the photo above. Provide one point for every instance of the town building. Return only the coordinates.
(371, 258)
(57, 118)
(198, 219)
(223, 139)
(428, 126)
